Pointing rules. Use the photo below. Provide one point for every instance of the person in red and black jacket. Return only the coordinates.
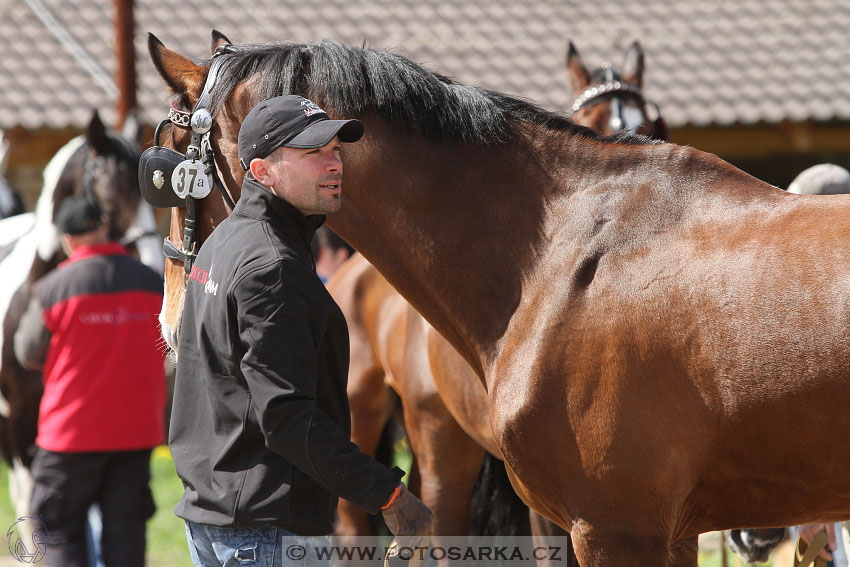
(91, 325)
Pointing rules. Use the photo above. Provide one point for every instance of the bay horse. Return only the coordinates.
(625, 303)
(395, 351)
(103, 165)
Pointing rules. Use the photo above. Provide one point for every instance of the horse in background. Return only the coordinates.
(11, 203)
(397, 358)
(756, 545)
(102, 165)
(612, 102)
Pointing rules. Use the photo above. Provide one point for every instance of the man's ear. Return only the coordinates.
(260, 171)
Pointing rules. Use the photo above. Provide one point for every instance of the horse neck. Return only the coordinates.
(460, 231)
(453, 228)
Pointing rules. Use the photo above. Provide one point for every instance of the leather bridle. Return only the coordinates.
(615, 87)
(200, 148)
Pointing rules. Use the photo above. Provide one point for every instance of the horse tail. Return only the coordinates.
(496, 510)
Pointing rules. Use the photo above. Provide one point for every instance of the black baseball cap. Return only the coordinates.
(78, 215)
(291, 121)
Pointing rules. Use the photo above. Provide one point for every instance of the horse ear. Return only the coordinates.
(96, 134)
(218, 39)
(132, 129)
(577, 72)
(178, 72)
(633, 65)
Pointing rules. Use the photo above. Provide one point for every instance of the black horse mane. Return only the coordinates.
(352, 80)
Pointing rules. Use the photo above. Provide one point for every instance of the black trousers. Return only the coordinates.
(66, 484)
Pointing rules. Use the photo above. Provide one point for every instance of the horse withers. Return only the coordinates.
(626, 303)
(103, 165)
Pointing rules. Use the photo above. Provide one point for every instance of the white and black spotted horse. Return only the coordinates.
(103, 165)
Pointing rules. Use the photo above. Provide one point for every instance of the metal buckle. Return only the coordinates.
(179, 117)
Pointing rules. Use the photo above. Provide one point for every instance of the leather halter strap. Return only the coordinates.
(199, 146)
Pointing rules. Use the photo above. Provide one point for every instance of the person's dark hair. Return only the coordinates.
(325, 237)
(77, 215)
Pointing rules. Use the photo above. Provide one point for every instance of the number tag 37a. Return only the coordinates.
(190, 180)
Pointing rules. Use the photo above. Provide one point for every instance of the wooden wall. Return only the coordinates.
(775, 153)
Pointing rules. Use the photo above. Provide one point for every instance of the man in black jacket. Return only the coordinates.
(260, 426)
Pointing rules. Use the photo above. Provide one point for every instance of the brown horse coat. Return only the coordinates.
(393, 347)
(646, 317)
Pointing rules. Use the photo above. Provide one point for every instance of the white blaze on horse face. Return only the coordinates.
(49, 242)
(632, 117)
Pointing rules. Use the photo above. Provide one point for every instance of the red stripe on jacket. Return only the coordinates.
(104, 376)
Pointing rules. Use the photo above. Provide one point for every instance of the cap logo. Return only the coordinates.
(310, 108)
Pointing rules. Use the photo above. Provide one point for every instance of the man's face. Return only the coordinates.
(310, 180)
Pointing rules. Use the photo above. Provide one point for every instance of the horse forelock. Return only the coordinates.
(350, 81)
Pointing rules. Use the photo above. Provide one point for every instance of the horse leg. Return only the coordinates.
(606, 548)
(371, 402)
(449, 461)
(20, 487)
(552, 538)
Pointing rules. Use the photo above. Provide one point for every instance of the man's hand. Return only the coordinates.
(409, 520)
(807, 533)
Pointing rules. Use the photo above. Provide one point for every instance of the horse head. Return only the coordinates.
(186, 80)
(101, 165)
(611, 102)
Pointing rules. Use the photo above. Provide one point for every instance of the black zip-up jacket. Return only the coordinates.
(260, 424)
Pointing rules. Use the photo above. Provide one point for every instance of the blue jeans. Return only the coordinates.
(259, 546)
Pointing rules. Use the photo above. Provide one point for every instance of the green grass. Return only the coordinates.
(166, 532)
(7, 513)
(166, 535)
